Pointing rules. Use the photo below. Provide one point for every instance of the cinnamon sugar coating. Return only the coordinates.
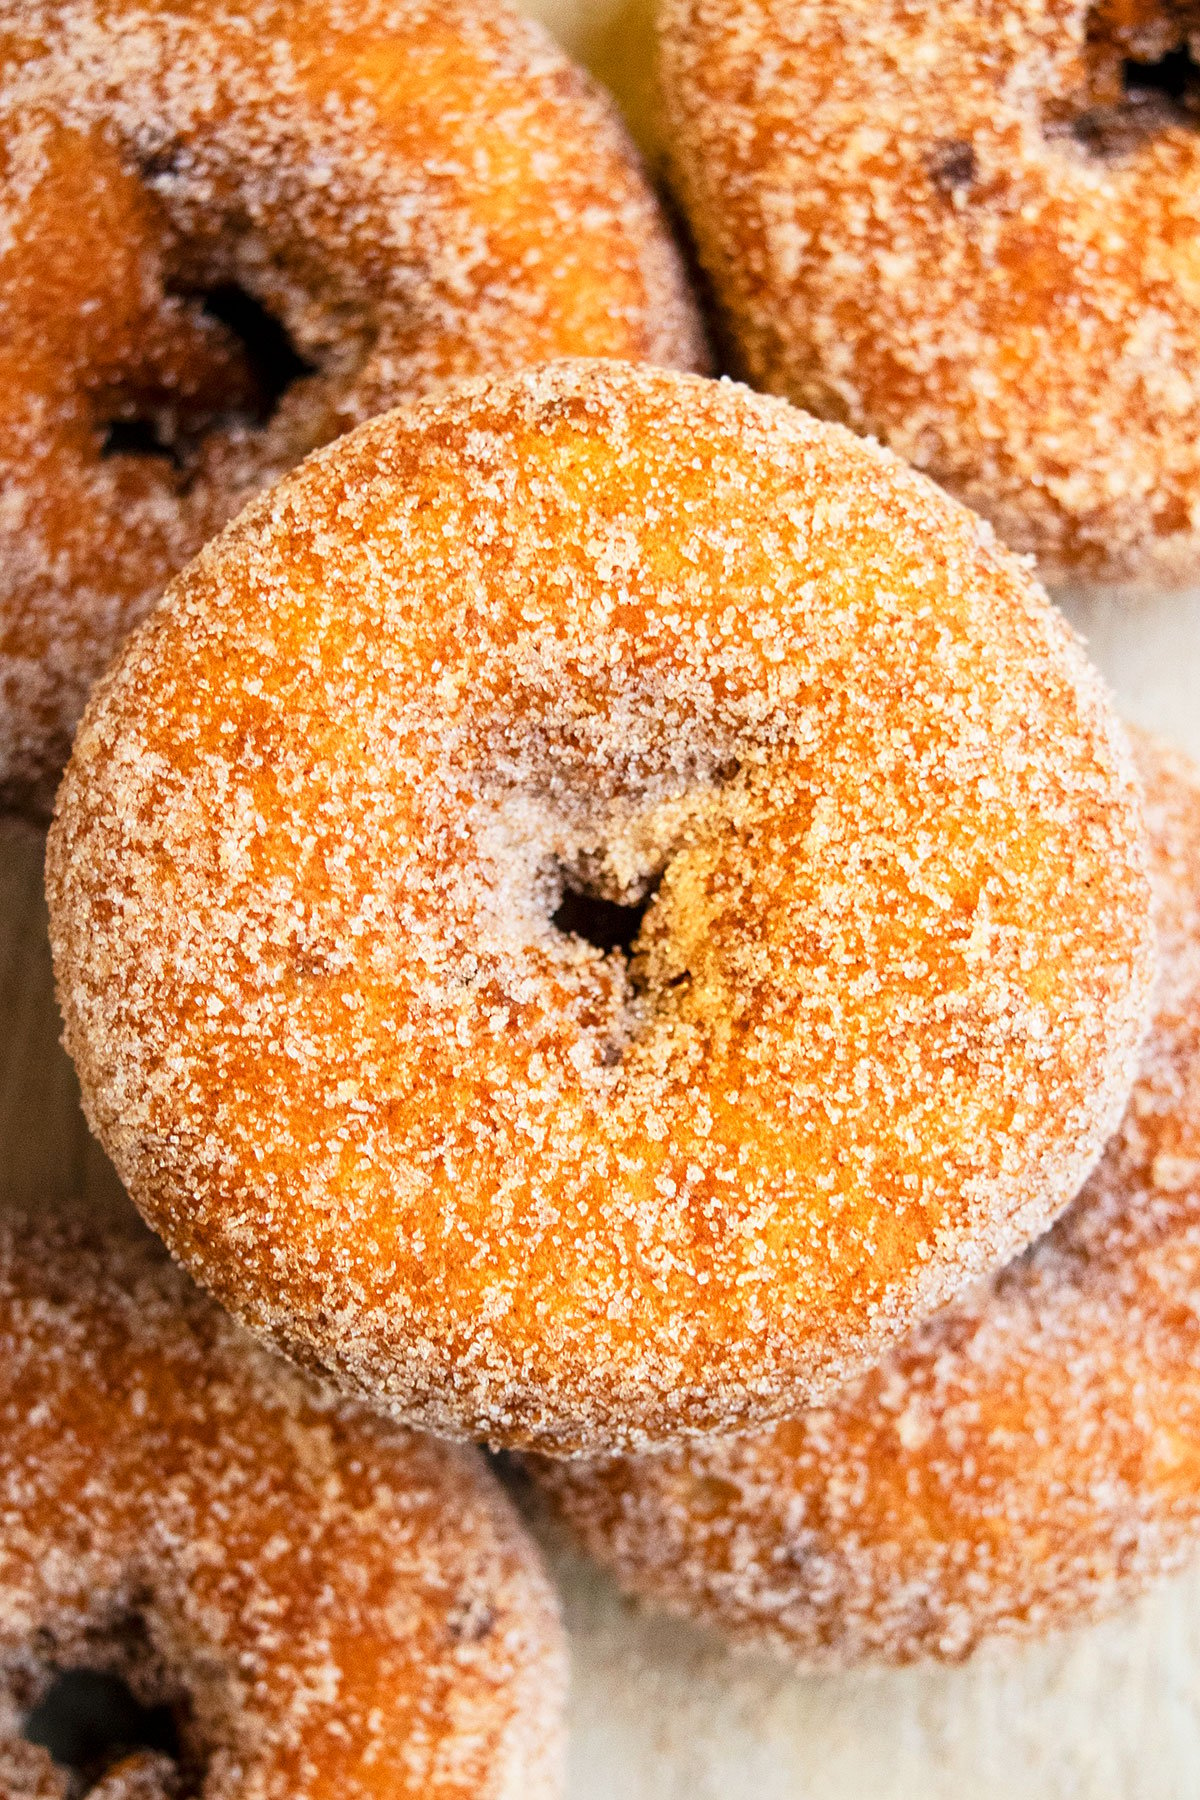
(332, 1608)
(654, 639)
(412, 190)
(1026, 1460)
(966, 228)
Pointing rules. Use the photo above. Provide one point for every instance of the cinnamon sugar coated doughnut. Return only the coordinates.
(1026, 1460)
(230, 229)
(349, 872)
(967, 228)
(328, 1606)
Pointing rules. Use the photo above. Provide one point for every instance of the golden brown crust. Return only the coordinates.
(946, 225)
(627, 631)
(416, 190)
(1028, 1459)
(334, 1608)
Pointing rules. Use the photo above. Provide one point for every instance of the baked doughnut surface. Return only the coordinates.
(1028, 1459)
(331, 1607)
(852, 824)
(229, 230)
(967, 228)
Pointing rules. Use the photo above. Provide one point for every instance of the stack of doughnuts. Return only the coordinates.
(596, 913)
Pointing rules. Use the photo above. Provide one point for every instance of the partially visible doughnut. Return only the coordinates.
(967, 227)
(659, 642)
(331, 1607)
(413, 191)
(1028, 1459)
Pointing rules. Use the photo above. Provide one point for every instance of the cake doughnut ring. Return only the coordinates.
(1026, 1460)
(331, 1607)
(965, 228)
(349, 866)
(229, 231)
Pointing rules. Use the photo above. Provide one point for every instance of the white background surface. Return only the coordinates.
(660, 1712)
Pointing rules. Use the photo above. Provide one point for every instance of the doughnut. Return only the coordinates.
(310, 1602)
(596, 904)
(231, 229)
(967, 229)
(1026, 1460)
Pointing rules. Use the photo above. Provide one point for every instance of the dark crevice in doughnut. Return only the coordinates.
(89, 1721)
(953, 166)
(717, 351)
(161, 163)
(606, 924)
(1143, 78)
(1175, 76)
(1155, 95)
(139, 437)
(471, 1621)
(614, 928)
(149, 419)
(275, 362)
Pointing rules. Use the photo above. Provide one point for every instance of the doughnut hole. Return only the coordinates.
(93, 1727)
(157, 351)
(610, 926)
(590, 911)
(94, 1713)
(565, 893)
(1140, 76)
(150, 418)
